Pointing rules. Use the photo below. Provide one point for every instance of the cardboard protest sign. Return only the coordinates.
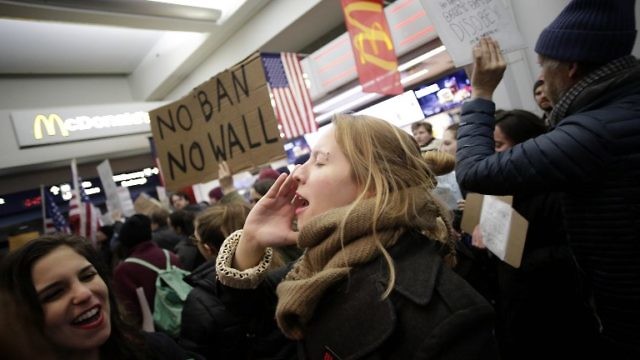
(145, 204)
(228, 118)
(461, 23)
(503, 230)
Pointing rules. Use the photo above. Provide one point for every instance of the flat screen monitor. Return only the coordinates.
(295, 148)
(444, 94)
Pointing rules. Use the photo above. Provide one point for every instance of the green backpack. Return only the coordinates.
(171, 293)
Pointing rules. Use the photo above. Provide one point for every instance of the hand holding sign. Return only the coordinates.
(488, 68)
(225, 177)
(462, 23)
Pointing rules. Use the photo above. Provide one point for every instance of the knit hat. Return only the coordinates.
(135, 230)
(595, 31)
(268, 173)
(216, 193)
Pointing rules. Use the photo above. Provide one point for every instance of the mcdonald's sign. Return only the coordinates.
(38, 127)
(372, 46)
(49, 123)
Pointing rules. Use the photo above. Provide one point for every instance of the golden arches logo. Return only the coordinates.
(49, 123)
(372, 35)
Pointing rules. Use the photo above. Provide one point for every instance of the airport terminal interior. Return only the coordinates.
(112, 112)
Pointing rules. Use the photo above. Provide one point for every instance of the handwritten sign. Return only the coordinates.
(461, 23)
(495, 224)
(228, 118)
(503, 230)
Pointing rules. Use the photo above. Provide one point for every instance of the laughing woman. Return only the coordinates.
(370, 283)
(62, 282)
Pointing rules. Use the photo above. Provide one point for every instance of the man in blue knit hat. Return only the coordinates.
(591, 155)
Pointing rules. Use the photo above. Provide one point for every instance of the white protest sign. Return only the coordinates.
(448, 190)
(504, 231)
(461, 23)
(126, 203)
(495, 224)
(117, 199)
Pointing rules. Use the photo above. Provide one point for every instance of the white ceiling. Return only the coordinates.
(44, 40)
(42, 47)
(64, 37)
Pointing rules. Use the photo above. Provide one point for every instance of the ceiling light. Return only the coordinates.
(348, 106)
(411, 63)
(358, 89)
(336, 99)
(122, 13)
(226, 7)
(207, 4)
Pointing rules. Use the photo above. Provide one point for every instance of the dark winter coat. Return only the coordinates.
(210, 330)
(593, 158)
(207, 328)
(431, 313)
(165, 237)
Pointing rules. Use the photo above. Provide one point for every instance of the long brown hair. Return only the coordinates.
(385, 161)
(124, 342)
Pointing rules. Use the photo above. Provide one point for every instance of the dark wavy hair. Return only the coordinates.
(182, 220)
(519, 125)
(124, 342)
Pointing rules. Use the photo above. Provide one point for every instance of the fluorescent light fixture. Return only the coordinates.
(227, 7)
(414, 76)
(207, 4)
(365, 98)
(358, 89)
(349, 105)
(411, 63)
(336, 99)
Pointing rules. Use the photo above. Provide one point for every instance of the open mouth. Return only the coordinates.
(300, 203)
(87, 317)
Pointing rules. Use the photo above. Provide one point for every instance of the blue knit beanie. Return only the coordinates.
(595, 31)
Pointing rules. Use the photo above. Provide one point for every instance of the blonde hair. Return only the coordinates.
(386, 160)
(439, 162)
(215, 223)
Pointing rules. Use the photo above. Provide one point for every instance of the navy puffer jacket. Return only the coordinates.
(593, 158)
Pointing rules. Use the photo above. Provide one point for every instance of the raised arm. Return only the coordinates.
(576, 149)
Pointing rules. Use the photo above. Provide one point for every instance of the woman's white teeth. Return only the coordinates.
(299, 200)
(87, 315)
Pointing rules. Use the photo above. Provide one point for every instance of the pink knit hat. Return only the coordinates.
(268, 173)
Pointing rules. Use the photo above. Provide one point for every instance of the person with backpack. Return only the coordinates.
(135, 238)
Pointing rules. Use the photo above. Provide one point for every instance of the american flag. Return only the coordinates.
(54, 221)
(290, 94)
(84, 218)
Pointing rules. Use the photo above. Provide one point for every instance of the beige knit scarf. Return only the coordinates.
(327, 259)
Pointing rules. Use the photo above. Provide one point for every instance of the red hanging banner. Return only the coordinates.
(372, 46)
